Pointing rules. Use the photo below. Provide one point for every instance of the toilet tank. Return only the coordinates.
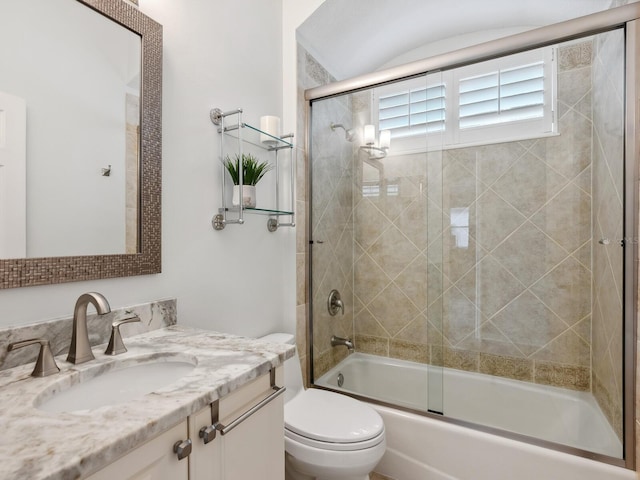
(292, 369)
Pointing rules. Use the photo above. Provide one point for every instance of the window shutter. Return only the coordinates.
(413, 112)
(500, 100)
(502, 96)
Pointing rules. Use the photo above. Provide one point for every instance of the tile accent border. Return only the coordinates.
(573, 377)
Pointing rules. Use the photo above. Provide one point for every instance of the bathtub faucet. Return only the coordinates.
(335, 341)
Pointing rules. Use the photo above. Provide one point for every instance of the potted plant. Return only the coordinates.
(252, 171)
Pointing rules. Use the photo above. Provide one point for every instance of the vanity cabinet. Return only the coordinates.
(248, 443)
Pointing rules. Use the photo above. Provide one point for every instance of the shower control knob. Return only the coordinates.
(334, 303)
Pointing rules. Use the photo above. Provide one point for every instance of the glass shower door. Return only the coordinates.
(533, 305)
(370, 240)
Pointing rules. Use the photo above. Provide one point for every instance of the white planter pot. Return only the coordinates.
(248, 196)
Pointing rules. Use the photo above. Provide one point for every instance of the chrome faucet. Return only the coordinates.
(335, 341)
(80, 349)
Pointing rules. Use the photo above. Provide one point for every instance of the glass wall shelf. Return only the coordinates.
(257, 211)
(237, 139)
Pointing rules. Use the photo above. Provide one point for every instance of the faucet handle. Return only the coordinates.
(116, 345)
(334, 303)
(46, 364)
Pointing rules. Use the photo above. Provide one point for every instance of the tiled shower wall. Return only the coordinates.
(332, 232)
(608, 155)
(483, 262)
(331, 228)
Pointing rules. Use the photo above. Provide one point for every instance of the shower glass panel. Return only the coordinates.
(369, 239)
(534, 297)
(331, 223)
(480, 257)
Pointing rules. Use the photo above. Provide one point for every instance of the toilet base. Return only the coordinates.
(292, 473)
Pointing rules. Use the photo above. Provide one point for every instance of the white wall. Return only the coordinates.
(217, 53)
(295, 12)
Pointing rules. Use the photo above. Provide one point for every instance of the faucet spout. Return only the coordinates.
(80, 349)
(335, 341)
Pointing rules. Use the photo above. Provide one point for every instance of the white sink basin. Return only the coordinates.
(114, 386)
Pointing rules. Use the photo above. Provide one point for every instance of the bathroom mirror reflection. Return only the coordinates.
(91, 180)
(69, 131)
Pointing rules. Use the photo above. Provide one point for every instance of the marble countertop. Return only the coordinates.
(38, 445)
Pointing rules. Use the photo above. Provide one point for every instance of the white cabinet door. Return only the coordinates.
(155, 460)
(255, 448)
(205, 460)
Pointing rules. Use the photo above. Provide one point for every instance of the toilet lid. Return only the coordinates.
(330, 417)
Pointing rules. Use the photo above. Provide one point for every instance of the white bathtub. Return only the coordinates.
(424, 448)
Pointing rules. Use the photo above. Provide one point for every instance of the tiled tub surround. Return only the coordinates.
(524, 299)
(153, 315)
(515, 301)
(397, 244)
(37, 445)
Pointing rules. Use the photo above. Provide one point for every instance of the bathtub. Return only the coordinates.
(429, 449)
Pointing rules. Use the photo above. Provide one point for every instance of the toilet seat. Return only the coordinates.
(333, 446)
(339, 423)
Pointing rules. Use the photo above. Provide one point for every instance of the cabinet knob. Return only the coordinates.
(182, 448)
(207, 434)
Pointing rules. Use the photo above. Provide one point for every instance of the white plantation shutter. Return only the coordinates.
(506, 99)
(413, 112)
(502, 96)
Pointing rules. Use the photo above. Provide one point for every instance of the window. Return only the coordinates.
(414, 112)
(505, 99)
(502, 96)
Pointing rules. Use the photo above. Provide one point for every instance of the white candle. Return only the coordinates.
(369, 134)
(385, 138)
(271, 125)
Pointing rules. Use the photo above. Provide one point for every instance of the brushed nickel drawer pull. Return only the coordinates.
(224, 429)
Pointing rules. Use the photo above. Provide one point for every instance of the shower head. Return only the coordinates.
(349, 134)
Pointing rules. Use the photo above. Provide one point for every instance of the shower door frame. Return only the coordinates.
(626, 17)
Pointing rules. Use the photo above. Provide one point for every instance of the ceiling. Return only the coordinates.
(354, 37)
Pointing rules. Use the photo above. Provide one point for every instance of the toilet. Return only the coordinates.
(327, 436)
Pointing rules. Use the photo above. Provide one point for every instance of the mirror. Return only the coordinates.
(85, 87)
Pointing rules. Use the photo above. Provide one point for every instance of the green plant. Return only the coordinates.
(252, 169)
